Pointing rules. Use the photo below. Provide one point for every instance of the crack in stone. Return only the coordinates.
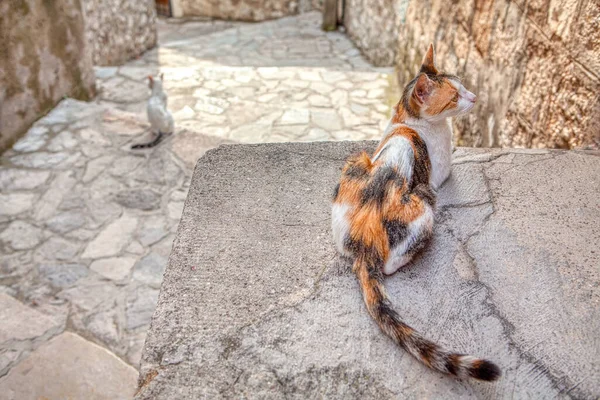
(559, 383)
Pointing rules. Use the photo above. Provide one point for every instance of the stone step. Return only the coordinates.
(255, 303)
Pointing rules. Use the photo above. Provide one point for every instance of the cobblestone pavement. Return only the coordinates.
(86, 225)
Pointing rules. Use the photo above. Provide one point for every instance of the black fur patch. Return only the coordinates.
(451, 364)
(356, 171)
(426, 349)
(485, 371)
(422, 164)
(357, 247)
(396, 231)
(425, 193)
(336, 191)
(376, 188)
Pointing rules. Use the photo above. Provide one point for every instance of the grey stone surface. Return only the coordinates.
(140, 306)
(15, 203)
(255, 303)
(20, 322)
(16, 179)
(82, 370)
(150, 269)
(63, 275)
(142, 199)
(66, 222)
(20, 235)
(112, 239)
(115, 268)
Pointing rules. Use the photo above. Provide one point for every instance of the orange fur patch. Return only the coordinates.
(367, 227)
(441, 100)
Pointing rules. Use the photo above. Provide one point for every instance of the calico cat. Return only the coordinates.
(383, 208)
(161, 120)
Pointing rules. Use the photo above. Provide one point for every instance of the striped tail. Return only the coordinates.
(148, 145)
(370, 278)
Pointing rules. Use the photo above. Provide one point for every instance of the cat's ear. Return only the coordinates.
(422, 89)
(428, 64)
(150, 81)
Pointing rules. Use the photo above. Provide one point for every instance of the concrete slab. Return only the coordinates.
(69, 367)
(255, 304)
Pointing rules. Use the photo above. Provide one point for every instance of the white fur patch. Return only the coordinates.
(397, 256)
(437, 135)
(398, 153)
(340, 225)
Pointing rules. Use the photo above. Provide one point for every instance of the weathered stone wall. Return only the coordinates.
(243, 10)
(533, 64)
(119, 30)
(42, 59)
(373, 26)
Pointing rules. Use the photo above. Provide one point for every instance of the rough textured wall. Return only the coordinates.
(42, 58)
(119, 30)
(373, 26)
(243, 10)
(534, 64)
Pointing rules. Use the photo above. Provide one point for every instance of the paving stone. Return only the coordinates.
(115, 268)
(164, 247)
(150, 269)
(58, 187)
(125, 165)
(20, 322)
(15, 203)
(321, 87)
(86, 371)
(326, 119)
(135, 248)
(104, 326)
(102, 211)
(136, 345)
(20, 235)
(62, 275)
(39, 159)
(93, 137)
(316, 134)
(96, 166)
(112, 239)
(57, 248)
(21, 179)
(105, 72)
(63, 141)
(152, 230)
(15, 266)
(318, 101)
(175, 208)
(105, 187)
(140, 306)
(295, 117)
(33, 140)
(90, 293)
(66, 222)
(141, 199)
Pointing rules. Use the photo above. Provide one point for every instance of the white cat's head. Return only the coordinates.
(156, 83)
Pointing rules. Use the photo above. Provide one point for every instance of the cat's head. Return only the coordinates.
(435, 96)
(156, 82)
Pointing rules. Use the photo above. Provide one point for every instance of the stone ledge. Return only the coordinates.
(255, 303)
